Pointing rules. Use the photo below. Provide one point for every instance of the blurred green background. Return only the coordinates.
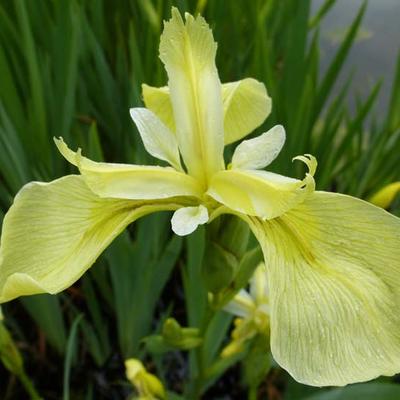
(73, 68)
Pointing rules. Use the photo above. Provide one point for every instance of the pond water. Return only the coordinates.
(375, 52)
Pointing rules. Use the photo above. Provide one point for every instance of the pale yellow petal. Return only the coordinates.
(259, 152)
(384, 197)
(188, 50)
(246, 106)
(158, 140)
(258, 193)
(55, 231)
(334, 277)
(136, 182)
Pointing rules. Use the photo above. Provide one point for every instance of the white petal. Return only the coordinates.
(242, 305)
(158, 140)
(259, 152)
(187, 219)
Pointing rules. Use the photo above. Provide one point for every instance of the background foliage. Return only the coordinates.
(73, 68)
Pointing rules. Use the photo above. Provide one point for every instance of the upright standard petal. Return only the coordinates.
(259, 152)
(188, 53)
(158, 140)
(246, 106)
(136, 182)
(334, 277)
(55, 231)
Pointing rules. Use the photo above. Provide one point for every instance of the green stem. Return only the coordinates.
(201, 368)
(252, 394)
(28, 385)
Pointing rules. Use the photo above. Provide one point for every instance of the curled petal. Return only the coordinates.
(334, 278)
(187, 219)
(55, 231)
(125, 181)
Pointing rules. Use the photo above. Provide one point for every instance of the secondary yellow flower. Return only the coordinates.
(147, 385)
(252, 308)
(333, 261)
(385, 196)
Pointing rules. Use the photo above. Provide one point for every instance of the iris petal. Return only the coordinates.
(188, 50)
(136, 182)
(187, 219)
(334, 277)
(158, 140)
(258, 193)
(259, 152)
(55, 231)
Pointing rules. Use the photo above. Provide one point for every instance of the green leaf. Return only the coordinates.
(363, 391)
(47, 313)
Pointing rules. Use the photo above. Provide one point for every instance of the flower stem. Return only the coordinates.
(199, 381)
(29, 387)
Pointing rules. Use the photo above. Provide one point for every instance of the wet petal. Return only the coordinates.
(55, 231)
(126, 181)
(187, 219)
(158, 140)
(260, 151)
(334, 274)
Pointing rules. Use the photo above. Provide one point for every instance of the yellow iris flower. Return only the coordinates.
(333, 261)
(147, 385)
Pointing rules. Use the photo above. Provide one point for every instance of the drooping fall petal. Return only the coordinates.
(55, 231)
(188, 50)
(125, 181)
(334, 277)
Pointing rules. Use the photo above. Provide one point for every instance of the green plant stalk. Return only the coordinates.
(28, 386)
(200, 380)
